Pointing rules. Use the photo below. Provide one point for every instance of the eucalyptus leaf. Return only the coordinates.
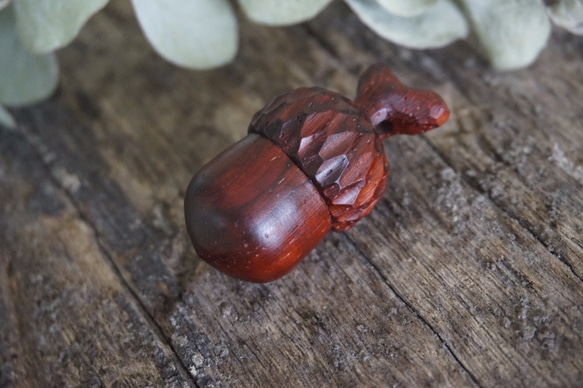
(281, 13)
(4, 3)
(47, 25)
(407, 8)
(6, 118)
(198, 34)
(438, 27)
(511, 33)
(24, 77)
(568, 14)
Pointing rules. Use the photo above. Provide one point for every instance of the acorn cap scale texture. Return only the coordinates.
(334, 144)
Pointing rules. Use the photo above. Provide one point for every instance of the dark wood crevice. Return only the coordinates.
(113, 265)
(471, 183)
(411, 307)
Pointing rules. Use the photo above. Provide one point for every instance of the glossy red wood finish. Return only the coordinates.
(396, 109)
(252, 213)
(313, 162)
(334, 144)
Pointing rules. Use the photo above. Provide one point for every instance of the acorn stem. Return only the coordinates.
(394, 108)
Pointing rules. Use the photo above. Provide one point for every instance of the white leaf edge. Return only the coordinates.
(47, 25)
(568, 14)
(25, 78)
(439, 26)
(6, 118)
(407, 8)
(282, 13)
(196, 34)
(511, 33)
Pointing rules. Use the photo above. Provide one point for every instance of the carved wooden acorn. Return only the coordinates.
(312, 162)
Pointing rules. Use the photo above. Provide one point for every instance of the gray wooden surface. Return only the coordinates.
(468, 273)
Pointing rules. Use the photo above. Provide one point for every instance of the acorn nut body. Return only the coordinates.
(252, 213)
(313, 162)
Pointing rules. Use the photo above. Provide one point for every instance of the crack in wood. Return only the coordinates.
(149, 318)
(10, 348)
(500, 207)
(412, 308)
(331, 52)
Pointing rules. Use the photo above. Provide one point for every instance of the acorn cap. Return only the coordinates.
(334, 144)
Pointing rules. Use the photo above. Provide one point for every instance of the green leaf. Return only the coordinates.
(4, 3)
(568, 14)
(281, 13)
(438, 27)
(6, 118)
(511, 33)
(47, 25)
(198, 34)
(24, 77)
(407, 8)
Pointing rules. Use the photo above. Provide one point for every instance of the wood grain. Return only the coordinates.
(469, 271)
(66, 318)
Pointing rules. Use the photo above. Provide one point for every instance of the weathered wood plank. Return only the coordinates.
(467, 273)
(506, 200)
(65, 318)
